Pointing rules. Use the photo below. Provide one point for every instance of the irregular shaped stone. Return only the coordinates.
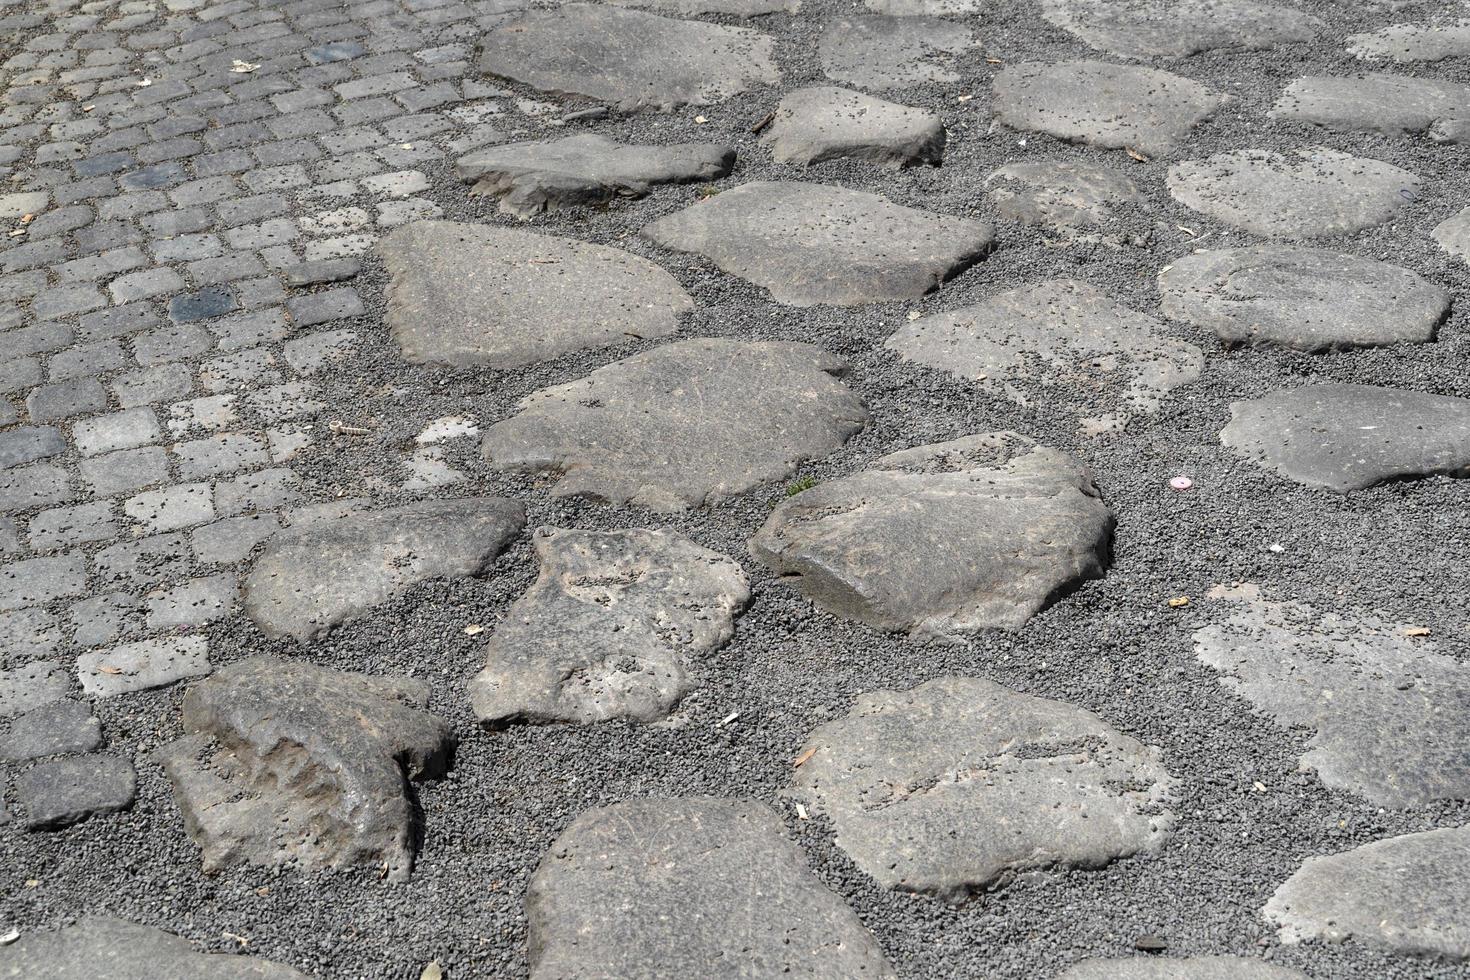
(32, 685)
(945, 539)
(62, 792)
(1303, 298)
(1453, 234)
(893, 52)
(812, 244)
(1178, 29)
(1061, 333)
(290, 763)
(924, 8)
(97, 948)
(1181, 968)
(1409, 893)
(823, 122)
(614, 627)
(1101, 104)
(703, 888)
(682, 424)
(627, 57)
(538, 175)
(1307, 193)
(732, 8)
(314, 578)
(143, 665)
(1061, 194)
(1408, 43)
(1377, 102)
(1348, 437)
(474, 295)
(59, 728)
(959, 783)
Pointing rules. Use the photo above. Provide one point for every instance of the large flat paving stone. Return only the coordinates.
(960, 783)
(288, 763)
(32, 685)
(614, 627)
(1064, 195)
(628, 58)
(688, 888)
(1178, 29)
(59, 728)
(1348, 436)
(1101, 104)
(733, 8)
(1410, 894)
(1181, 968)
(823, 122)
(327, 573)
(1304, 298)
(61, 792)
(1453, 234)
(683, 424)
(99, 948)
(477, 296)
(812, 244)
(881, 52)
(946, 539)
(1410, 43)
(1376, 102)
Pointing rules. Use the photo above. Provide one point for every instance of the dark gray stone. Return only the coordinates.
(32, 685)
(1408, 43)
(823, 122)
(110, 949)
(62, 792)
(30, 443)
(59, 728)
(883, 53)
(1181, 968)
(211, 301)
(1375, 102)
(1179, 28)
(1061, 194)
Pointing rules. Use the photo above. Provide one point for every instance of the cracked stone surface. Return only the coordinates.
(1378, 102)
(823, 122)
(1181, 968)
(99, 948)
(943, 540)
(1154, 28)
(959, 783)
(615, 626)
(1410, 43)
(1061, 194)
(883, 52)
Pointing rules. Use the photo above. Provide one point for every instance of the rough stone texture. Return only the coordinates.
(538, 175)
(1149, 28)
(289, 763)
(97, 948)
(1061, 333)
(1306, 193)
(823, 122)
(1376, 102)
(734, 8)
(143, 665)
(682, 424)
(1407, 43)
(54, 729)
(1453, 234)
(31, 685)
(1348, 437)
(627, 57)
(883, 53)
(1303, 298)
(61, 792)
(1181, 968)
(688, 888)
(1061, 194)
(471, 295)
(1101, 104)
(1409, 893)
(960, 782)
(613, 627)
(812, 244)
(945, 539)
(311, 579)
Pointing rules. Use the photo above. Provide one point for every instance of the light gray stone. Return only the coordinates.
(1376, 102)
(19, 205)
(192, 603)
(142, 665)
(61, 792)
(882, 53)
(1453, 234)
(32, 685)
(110, 949)
(39, 580)
(1181, 968)
(925, 8)
(1179, 28)
(823, 122)
(733, 8)
(59, 728)
(1061, 194)
(1408, 43)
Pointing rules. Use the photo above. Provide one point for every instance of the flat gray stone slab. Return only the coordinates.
(1376, 102)
(1181, 968)
(734, 8)
(882, 53)
(943, 540)
(1307, 193)
(925, 8)
(614, 627)
(32, 685)
(1061, 194)
(960, 783)
(1101, 104)
(1410, 894)
(287, 763)
(21, 204)
(143, 665)
(628, 58)
(1061, 333)
(97, 948)
(1409, 43)
(823, 122)
(479, 296)
(1160, 28)
(60, 728)
(61, 792)
(688, 888)
(1303, 298)
(1348, 437)
(541, 175)
(683, 424)
(811, 244)
(1453, 234)
(310, 580)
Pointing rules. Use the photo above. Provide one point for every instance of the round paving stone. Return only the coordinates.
(97, 948)
(1177, 29)
(682, 424)
(1407, 43)
(1453, 234)
(883, 53)
(1376, 102)
(1181, 968)
(472, 295)
(1308, 193)
(822, 122)
(960, 783)
(1303, 298)
(1061, 194)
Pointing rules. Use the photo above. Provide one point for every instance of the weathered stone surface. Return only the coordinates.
(143, 665)
(688, 888)
(682, 424)
(734, 8)
(1181, 968)
(1453, 234)
(1407, 43)
(1105, 105)
(289, 763)
(61, 792)
(538, 175)
(945, 539)
(1347, 437)
(474, 295)
(1061, 333)
(823, 122)
(883, 53)
(31, 685)
(1149, 28)
(1061, 194)
(110, 949)
(627, 57)
(1409, 893)
(1308, 193)
(1304, 298)
(812, 244)
(958, 783)
(614, 627)
(54, 729)
(924, 8)
(1376, 102)
(312, 579)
